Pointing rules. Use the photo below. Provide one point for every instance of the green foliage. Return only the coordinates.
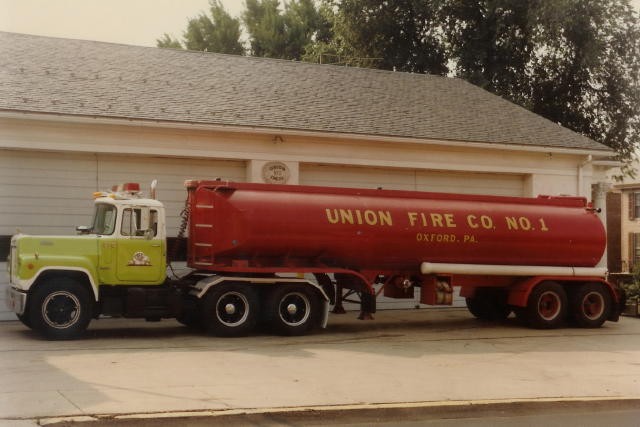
(575, 62)
(218, 33)
(167, 42)
(280, 34)
(393, 35)
(633, 288)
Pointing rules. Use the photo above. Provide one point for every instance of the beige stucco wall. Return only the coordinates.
(551, 172)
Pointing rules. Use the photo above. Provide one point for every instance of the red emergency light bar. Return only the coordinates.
(128, 187)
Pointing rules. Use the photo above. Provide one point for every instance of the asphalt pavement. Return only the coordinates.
(405, 358)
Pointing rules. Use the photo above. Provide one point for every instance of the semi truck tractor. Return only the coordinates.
(279, 256)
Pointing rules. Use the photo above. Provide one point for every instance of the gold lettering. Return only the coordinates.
(346, 216)
(486, 222)
(448, 218)
(436, 220)
(512, 223)
(472, 221)
(370, 217)
(412, 218)
(543, 226)
(385, 218)
(524, 222)
(358, 216)
(333, 219)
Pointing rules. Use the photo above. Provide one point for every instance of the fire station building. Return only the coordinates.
(79, 116)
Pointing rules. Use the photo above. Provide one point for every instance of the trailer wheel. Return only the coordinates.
(61, 309)
(590, 305)
(230, 310)
(293, 310)
(489, 304)
(547, 306)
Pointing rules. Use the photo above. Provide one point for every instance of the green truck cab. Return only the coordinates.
(113, 267)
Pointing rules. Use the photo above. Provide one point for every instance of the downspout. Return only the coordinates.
(581, 166)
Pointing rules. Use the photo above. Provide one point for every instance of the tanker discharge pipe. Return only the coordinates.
(510, 270)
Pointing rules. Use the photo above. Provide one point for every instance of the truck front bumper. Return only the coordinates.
(16, 300)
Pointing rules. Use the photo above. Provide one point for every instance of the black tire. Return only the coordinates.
(489, 304)
(24, 318)
(230, 310)
(547, 306)
(190, 316)
(61, 309)
(293, 309)
(590, 305)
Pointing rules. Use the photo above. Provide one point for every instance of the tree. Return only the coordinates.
(587, 71)
(168, 42)
(490, 44)
(393, 35)
(280, 34)
(575, 62)
(220, 33)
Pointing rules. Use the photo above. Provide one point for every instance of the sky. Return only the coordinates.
(135, 22)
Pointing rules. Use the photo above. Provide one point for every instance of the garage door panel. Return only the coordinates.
(170, 173)
(51, 193)
(398, 179)
(45, 193)
(357, 177)
(470, 183)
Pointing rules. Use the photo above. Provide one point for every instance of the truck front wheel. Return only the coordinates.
(61, 309)
(25, 319)
(293, 310)
(230, 310)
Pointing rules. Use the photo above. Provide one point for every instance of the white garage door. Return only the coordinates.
(399, 179)
(396, 179)
(51, 193)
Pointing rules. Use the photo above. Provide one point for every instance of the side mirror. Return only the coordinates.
(83, 229)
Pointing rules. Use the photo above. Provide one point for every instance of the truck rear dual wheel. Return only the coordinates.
(489, 304)
(547, 306)
(293, 309)
(230, 310)
(590, 305)
(60, 309)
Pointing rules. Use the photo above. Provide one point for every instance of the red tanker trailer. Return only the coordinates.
(536, 257)
(281, 255)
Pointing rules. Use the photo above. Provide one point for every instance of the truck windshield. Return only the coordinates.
(104, 220)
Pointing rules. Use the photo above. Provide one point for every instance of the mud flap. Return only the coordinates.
(367, 306)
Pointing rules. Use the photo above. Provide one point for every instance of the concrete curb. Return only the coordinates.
(364, 412)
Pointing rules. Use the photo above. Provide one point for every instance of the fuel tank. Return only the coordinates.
(275, 226)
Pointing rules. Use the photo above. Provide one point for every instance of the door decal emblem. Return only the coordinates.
(139, 259)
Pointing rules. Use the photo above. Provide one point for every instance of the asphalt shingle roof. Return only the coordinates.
(87, 78)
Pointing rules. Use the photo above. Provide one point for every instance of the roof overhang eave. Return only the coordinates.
(604, 153)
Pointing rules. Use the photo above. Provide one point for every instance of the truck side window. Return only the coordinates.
(153, 222)
(104, 220)
(130, 222)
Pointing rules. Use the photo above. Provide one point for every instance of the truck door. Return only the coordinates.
(141, 250)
